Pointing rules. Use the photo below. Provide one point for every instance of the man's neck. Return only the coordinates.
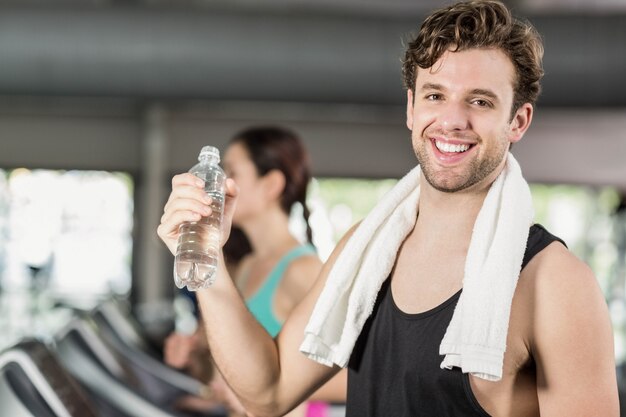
(448, 215)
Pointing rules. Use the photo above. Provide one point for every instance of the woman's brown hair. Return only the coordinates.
(272, 148)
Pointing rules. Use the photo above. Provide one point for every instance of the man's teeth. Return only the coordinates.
(448, 147)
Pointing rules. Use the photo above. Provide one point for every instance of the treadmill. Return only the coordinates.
(119, 332)
(33, 384)
(109, 379)
(116, 326)
(115, 316)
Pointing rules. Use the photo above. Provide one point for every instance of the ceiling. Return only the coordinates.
(386, 7)
(320, 51)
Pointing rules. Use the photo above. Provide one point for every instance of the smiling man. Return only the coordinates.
(460, 117)
(447, 300)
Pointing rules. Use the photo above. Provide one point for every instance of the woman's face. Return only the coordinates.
(239, 167)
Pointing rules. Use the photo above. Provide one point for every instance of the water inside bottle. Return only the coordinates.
(198, 246)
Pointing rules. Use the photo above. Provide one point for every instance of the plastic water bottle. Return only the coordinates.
(199, 242)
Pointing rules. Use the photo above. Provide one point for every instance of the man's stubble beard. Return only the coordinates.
(476, 171)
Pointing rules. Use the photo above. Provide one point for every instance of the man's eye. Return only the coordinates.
(482, 103)
(433, 97)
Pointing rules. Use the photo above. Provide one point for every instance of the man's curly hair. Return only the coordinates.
(479, 24)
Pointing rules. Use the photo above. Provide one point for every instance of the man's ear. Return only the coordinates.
(274, 183)
(520, 122)
(409, 109)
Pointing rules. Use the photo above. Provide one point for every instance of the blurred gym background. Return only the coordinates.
(102, 101)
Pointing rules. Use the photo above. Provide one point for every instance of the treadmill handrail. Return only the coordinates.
(91, 338)
(8, 396)
(38, 380)
(105, 385)
(144, 360)
(110, 310)
(159, 369)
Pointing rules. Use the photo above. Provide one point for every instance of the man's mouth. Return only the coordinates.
(451, 148)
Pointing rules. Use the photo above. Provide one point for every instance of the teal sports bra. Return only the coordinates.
(260, 304)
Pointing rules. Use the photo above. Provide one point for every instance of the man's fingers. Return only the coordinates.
(186, 192)
(186, 179)
(186, 205)
(171, 221)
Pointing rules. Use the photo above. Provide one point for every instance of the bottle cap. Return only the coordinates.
(208, 152)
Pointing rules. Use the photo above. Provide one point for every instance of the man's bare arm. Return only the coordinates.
(270, 376)
(573, 340)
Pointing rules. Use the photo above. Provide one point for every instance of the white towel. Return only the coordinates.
(475, 339)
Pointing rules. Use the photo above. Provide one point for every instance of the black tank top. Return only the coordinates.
(394, 369)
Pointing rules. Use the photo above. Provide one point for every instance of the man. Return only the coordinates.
(472, 77)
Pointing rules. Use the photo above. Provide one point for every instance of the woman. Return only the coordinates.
(272, 170)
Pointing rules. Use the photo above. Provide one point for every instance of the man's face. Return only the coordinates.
(460, 118)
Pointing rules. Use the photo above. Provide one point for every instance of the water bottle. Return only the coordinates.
(199, 242)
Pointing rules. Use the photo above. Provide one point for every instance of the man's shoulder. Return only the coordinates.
(555, 290)
(556, 265)
(556, 293)
(566, 327)
(555, 283)
(538, 239)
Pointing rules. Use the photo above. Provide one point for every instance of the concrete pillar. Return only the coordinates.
(152, 286)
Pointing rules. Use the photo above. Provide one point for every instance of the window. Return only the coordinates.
(65, 236)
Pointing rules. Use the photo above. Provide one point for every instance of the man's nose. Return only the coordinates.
(454, 116)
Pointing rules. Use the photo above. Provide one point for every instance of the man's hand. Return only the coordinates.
(189, 203)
